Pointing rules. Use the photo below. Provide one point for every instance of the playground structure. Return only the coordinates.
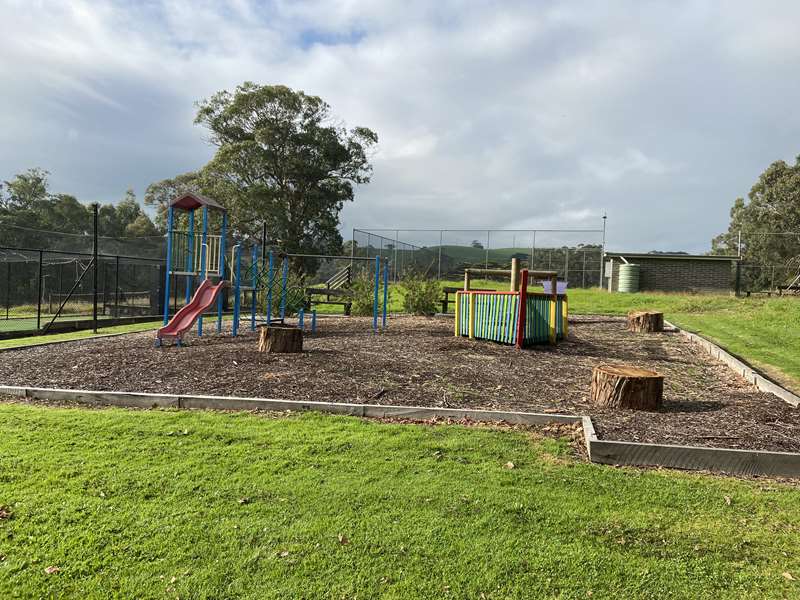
(517, 316)
(205, 260)
(265, 279)
(268, 277)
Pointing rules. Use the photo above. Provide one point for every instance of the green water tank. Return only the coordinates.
(628, 278)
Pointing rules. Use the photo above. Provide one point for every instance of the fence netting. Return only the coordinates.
(43, 288)
(280, 284)
(444, 254)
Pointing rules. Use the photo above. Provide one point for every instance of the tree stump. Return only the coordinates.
(621, 386)
(283, 339)
(645, 321)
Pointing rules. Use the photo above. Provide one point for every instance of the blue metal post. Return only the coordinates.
(222, 250)
(237, 287)
(254, 283)
(301, 315)
(170, 223)
(385, 291)
(377, 285)
(189, 256)
(203, 251)
(313, 321)
(269, 289)
(284, 285)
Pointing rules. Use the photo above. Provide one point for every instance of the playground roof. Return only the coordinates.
(191, 201)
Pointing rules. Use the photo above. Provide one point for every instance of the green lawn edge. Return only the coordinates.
(193, 504)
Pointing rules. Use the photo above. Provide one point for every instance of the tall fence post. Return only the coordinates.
(488, 241)
(8, 289)
(375, 299)
(39, 293)
(95, 252)
(116, 287)
(439, 268)
(396, 243)
(583, 273)
(603, 252)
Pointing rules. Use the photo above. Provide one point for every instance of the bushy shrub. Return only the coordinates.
(422, 295)
(363, 291)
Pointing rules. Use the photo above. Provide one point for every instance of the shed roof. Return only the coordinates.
(647, 255)
(192, 200)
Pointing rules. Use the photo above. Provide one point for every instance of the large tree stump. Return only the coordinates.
(279, 338)
(644, 321)
(621, 386)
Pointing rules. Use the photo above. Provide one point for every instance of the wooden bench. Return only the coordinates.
(342, 297)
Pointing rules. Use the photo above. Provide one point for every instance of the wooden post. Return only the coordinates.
(622, 386)
(280, 339)
(523, 307)
(472, 316)
(466, 280)
(515, 285)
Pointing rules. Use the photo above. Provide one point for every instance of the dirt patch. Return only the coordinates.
(417, 361)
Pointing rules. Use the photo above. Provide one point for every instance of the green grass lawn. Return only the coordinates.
(77, 335)
(153, 504)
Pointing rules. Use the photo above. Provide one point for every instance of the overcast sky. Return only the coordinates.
(502, 114)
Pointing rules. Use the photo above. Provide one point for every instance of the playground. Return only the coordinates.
(418, 361)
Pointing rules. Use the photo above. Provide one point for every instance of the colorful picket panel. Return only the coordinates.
(495, 316)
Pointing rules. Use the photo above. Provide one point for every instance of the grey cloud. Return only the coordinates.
(504, 114)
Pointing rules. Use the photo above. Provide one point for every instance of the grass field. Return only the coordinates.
(77, 335)
(151, 504)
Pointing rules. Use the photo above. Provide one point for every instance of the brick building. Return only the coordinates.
(674, 272)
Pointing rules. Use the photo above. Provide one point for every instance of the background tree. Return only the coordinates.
(282, 160)
(160, 193)
(768, 222)
(31, 216)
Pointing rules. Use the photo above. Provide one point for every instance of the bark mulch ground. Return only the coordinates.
(417, 361)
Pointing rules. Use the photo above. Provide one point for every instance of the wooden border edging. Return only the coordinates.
(732, 461)
(740, 367)
(728, 460)
(145, 400)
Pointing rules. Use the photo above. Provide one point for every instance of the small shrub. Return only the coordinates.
(421, 295)
(363, 290)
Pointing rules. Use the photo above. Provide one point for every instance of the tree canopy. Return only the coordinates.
(769, 221)
(280, 160)
(31, 216)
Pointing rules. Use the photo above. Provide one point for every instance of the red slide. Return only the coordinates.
(202, 300)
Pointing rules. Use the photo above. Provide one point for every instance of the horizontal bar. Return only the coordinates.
(327, 256)
(488, 293)
(485, 229)
(89, 254)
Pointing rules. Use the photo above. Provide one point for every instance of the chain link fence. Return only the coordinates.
(51, 290)
(443, 254)
(763, 278)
